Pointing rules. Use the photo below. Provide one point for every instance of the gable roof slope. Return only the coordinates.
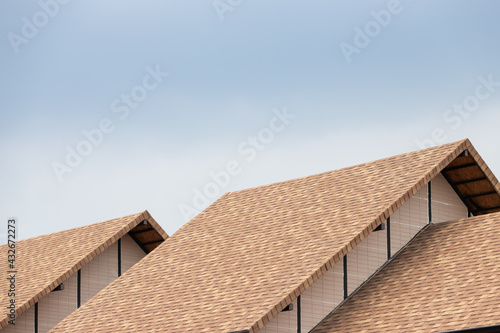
(240, 262)
(44, 262)
(448, 278)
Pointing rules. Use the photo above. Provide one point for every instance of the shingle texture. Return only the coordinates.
(44, 262)
(241, 261)
(448, 278)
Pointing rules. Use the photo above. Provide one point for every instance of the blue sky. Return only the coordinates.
(420, 71)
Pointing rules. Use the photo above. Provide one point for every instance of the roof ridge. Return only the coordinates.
(451, 144)
(75, 228)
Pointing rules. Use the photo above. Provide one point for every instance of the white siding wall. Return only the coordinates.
(100, 272)
(316, 303)
(95, 276)
(407, 221)
(446, 204)
(57, 305)
(322, 297)
(131, 253)
(368, 256)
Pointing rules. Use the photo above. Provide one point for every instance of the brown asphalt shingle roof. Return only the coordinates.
(448, 278)
(251, 253)
(44, 262)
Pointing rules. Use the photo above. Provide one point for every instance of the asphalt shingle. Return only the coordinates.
(448, 278)
(44, 262)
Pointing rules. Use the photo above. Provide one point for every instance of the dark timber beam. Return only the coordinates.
(479, 195)
(141, 231)
(458, 167)
(487, 209)
(138, 243)
(429, 199)
(152, 242)
(389, 238)
(346, 291)
(36, 317)
(475, 180)
(471, 205)
(119, 257)
(79, 289)
(299, 316)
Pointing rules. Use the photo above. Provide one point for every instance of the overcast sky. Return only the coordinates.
(112, 108)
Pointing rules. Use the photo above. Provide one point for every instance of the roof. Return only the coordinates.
(250, 254)
(44, 262)
(447, 278)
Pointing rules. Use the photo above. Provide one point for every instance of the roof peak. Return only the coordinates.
(70, 250)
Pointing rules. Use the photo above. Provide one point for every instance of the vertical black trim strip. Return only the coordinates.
(469, 213)
(389, 256)
(119, 257)
(299, 316)
(36, 317)
(346, 291)
(79, 289)
(429, 198)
